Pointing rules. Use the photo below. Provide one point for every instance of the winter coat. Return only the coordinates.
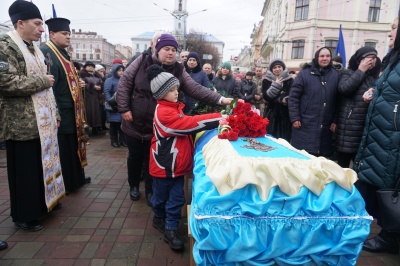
(210, 76)
(312, 101)
(352, 109)
(134, 94)
(198, 75)
(378, 158)
(92, 97)
(227, 86)
(110, 87)
(173, 132)
(17, 113)
(246, 91)
(277, 109)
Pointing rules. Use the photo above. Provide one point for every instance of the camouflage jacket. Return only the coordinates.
(17, 113)
(258, 82)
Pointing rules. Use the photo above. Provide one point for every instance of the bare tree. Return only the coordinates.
(196, 42)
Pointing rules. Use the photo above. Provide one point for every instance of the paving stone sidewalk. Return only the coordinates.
(99, 225)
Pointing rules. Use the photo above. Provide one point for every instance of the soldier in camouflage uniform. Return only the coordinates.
(259, 100)
(18, 118)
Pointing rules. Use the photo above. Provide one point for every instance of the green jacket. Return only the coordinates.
(378, 158)
(17, 113)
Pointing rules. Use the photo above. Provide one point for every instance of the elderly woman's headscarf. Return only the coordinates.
(316, 56)
(393, 55)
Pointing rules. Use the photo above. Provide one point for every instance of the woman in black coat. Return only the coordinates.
(224, 81)
(363, 70)
(312, 105)
(275, 90)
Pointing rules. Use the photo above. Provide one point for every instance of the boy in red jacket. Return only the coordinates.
(171, 152)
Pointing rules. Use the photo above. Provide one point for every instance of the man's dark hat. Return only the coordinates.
(23, 10)
(250, 73)
(89, 63)
(58, 24)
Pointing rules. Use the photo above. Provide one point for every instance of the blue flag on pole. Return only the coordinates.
(54, 11)
(340, 48)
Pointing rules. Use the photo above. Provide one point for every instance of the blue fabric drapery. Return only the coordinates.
(239, 228)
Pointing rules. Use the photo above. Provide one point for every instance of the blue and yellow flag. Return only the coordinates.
(54, 11)
(340, 48)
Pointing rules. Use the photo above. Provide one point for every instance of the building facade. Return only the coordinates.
(123, 51)
(88, 46)
(294, 29)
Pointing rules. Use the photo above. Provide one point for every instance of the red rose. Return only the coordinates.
(244, 133)
(253, 134)
(254, 125)
(223, 135)
(247, 107)
(233, 135)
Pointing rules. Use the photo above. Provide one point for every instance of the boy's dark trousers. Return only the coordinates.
(168, 200)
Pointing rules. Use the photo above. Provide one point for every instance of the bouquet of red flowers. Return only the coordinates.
(244, 121)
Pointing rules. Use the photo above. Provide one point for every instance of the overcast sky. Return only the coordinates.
(231, 21)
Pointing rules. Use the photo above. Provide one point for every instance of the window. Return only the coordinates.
(371, 44)
(298, 49)
(301, 9)
(91, 56)
(77, 56)
(97, 57)
(84, 46)
(331, 44)
(137, 46)
(77, 45)
(84, 57)
(374, 8)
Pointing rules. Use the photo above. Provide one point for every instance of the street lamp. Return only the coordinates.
(179, 17)
(184, 26)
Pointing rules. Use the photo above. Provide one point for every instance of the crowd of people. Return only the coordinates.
(321, 108)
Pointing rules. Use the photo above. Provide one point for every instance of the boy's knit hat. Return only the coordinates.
(160, 81)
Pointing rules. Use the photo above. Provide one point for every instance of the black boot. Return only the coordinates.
(383, 242)
(122, 141)
(114, 141)
(159, 224)
(173, 240)
(113, 136)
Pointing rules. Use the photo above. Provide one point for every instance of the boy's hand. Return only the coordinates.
(226, 101)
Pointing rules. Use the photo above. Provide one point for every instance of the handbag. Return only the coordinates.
(108, 108)
(389, 207)
(111, 105)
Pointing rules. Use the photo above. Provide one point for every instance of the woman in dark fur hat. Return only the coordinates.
(363, 70)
